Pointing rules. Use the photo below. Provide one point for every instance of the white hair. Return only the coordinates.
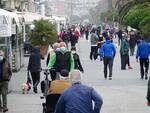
(75, 76)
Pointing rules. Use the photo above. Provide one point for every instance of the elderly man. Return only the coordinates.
(78, 98)
(56, 47)
(58, 86)
(62, 59)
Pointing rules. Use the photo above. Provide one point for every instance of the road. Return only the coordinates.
(125, 93)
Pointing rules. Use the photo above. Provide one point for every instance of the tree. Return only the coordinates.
(138, 17)
(109, 16)
(44, 33)
(145, 26)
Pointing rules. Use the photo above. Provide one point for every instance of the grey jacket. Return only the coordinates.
(93, 39)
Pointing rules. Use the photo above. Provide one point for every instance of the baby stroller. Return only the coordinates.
(50, 99)
(50, 103)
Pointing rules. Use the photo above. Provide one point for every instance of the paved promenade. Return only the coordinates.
(125, 93)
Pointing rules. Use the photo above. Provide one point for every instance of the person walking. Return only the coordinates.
(143, 51)
(62, 59)
(5, 75)
(87, 32)
(79, 98)
(94, 48)
(107, 53)
(56, 47)
(34, 66)
(119, 36)
(124, 53)
(77, 61)
(73, 38)
(132, 42)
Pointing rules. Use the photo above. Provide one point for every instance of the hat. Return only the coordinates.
(107, 38)
(64, 73)
(73, 48)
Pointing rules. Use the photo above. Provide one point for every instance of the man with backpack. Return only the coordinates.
(62, 59)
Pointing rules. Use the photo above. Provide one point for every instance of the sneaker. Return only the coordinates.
(110, 78)
(5, 109)
(35, 90)
(141, 78)
(1, 109)
(146, 77)
(129, 67)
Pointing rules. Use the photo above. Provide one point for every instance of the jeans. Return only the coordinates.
(94, 52)
(108, 62)
(35, 79)
(124, 61)
(3, 93)
(144, 62)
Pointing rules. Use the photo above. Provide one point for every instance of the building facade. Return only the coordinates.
(19, 5)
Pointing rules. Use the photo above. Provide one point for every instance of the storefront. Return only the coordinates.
(11, 38)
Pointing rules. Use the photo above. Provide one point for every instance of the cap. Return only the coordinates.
(64, 73)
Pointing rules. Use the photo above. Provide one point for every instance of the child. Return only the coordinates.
(76, 59)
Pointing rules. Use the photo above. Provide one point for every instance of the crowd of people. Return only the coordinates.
(66, 68)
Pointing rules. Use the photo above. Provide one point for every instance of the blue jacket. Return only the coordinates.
(143, 50)
(108, 49)
(78, 99)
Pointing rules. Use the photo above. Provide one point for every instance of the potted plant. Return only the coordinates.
(43, 34)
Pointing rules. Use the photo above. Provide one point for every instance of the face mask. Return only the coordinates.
(63, 48)
(1, 57)
(123, 35)
(73, 52)
(57, 49)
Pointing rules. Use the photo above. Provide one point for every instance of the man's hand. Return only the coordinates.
(137, 60)
(148, 103)
(101, 58)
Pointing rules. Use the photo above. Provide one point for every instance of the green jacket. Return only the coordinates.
(124, 49)
(53, 60)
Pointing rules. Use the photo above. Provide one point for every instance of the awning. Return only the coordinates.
(29, 17)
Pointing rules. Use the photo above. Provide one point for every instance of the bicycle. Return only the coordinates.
(45, 84)
(50, 99)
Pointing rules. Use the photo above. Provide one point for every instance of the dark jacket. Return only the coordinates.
(6, 71)
(77, 62)
(143, 50)
(78, 99)
(34, 64)
(132, 41)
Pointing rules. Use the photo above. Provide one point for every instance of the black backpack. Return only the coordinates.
(62, 61)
